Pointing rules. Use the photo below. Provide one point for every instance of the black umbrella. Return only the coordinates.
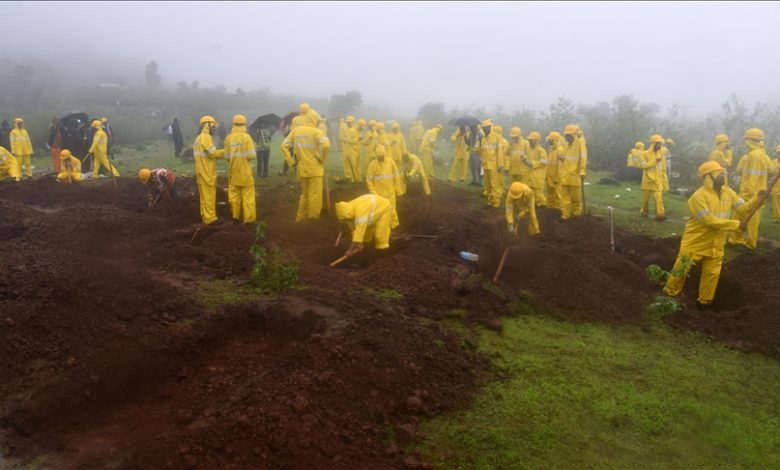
(464, 121)
(265, 121)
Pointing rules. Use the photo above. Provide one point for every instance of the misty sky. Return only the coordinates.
(402, 55)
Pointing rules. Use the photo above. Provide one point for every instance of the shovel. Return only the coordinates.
(503, 259)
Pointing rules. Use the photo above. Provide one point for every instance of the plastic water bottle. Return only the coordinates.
(469, 256)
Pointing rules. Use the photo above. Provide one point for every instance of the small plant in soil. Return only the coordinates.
(659, 276)
(661, 307)
(270, 271)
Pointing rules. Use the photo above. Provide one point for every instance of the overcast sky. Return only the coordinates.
(404, 54)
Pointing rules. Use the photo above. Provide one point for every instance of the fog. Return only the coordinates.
(402, 55)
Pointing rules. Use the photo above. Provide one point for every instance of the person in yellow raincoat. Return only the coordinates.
(503, 157)
(206, 154)
(460, 161)
(369, 217)
(516, 153)
(520, 203)
(381, 139)
(705, 232)
(369, 140)
(312, 116)
(428, 148)
(754, 169)
(70, 168)
(99, 151)
(383, 179)
(239, 151)
(536, 161)
(490, 149)
(635, 158)
(9, 167)
(722, 153)
(776, 189)
(396, 147)
(350, 148)
(342, 130)
(552, 181)
(413, 166)
(652, 178)
(21, 146)
(310, 146)
(572, 171)
(416, 133)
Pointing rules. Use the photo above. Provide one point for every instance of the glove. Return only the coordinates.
(354, 249)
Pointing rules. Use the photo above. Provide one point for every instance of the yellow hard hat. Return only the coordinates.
(486, 123)
(396, 125)
(534, 136)
(304, 108)
(708, 167)
(344, 211)
(379, 150)
(65, 153)
(571, 129)
(656, 138)
(777, 149)
(639, 145)
(96, 124)
(670, 142)
(362, 122)
(239, 119)
(720, 138)
(143, 175)
(517, 189)
(554, 136)
(380, 125)
(18, 120)
(350, 119)
(515, 132)
(440, 126)
(207, 119)
(754, 133)
(498, 129)
(104, 120)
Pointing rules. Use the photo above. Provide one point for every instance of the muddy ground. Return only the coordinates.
(124, 342)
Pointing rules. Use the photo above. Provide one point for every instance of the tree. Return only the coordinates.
(341, 105)
(562, 112)
(152, 77)
(182, 86)
(432, 114)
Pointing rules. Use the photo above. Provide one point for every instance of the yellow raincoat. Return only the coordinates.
(396, 146)
(9, 167)
(21, 147)
(416, 133)
(537, 157)
(635, 156)
(460, 161)
(552, 180)
(652, 181)
(776, 189)
(704, 237)
(384, 179)
(754, 169)
(369, 217)
(414, 167)
(206, 155)
(490, 149)
(722, 155)
(572, 169)
(427, 149)
(70, 168)
(351, 149)
(311, 147)
(239, 151)
(519, 207)
(517, 152)
(99, 151)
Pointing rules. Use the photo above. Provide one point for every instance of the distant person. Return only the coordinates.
(9, 167)
(306, 149)
(536, 161)
(552, 179)
(5, 135)
(21, 146)
(416, 134)
(159, 183)
(351, 149)
(722, 153)
(383, 179)
(99, 151)
(475, 167)
(634, 158)
(264, 136)
(178, 139)
(753, 169)
(653, 178)
(206, 155)
(109, 134)
(705, 232)
(396, 144)
(460, 159)
(412, 167)
(489, 146)
(776, 189)
(429, 148)
(70, 168)
(572, 171)
(55, 142)
(239, 151)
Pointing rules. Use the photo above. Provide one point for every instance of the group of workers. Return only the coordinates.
(539, 176)
(718, 215)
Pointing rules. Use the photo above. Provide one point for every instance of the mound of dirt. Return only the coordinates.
(116, 356)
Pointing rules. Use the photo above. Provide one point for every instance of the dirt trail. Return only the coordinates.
(112, 357)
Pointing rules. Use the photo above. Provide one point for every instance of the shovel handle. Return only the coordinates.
(338, 239)
(501, 264)
(339, 261)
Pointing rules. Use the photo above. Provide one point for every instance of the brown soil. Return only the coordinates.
(112, 357)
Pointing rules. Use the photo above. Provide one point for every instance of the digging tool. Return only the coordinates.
(611, 230)
(761, 200)
(503, 257)
(345, 257)
(410, 236)
(168, 206)
(338, 239)
(194, 235)
(111, 168)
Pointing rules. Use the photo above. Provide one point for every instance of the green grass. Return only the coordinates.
(218, 292)
(584, 396)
